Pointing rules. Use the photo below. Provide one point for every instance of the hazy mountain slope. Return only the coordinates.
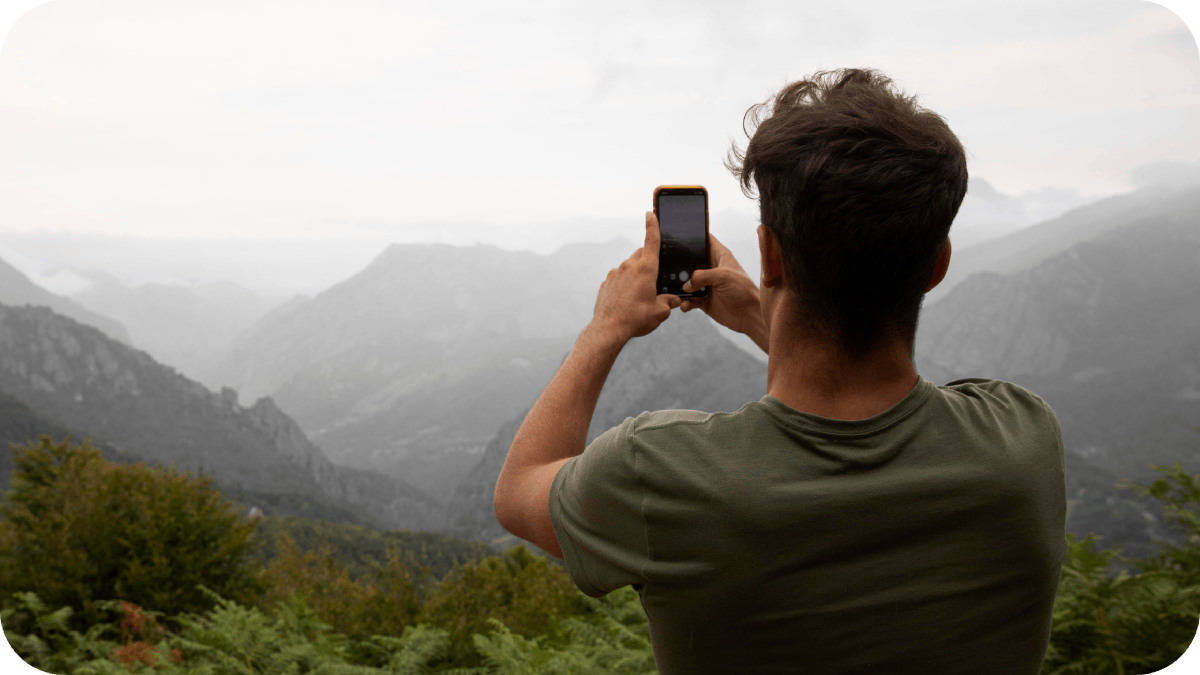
(426, 294)
(16, 289)
(20, 425)
(74, 374)
(411, 365)
(1032, 245)
(684, 364)
(986, 214)
(1107, 332)
(182, 327)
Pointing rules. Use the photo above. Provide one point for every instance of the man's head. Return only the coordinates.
(860, 185)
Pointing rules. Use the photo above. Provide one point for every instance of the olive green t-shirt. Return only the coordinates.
(926, 539)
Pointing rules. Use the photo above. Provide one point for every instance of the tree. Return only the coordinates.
(382, 602)
(521, 590)
(79, 530)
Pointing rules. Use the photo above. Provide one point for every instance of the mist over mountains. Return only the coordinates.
(78, 379)
(186, 327)
(17, 289)
(394, 394)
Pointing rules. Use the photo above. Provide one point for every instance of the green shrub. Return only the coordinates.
(1127, 623)
(240, 640)
(613, 638)
(229, 639)
(383, 601)
(519, 589)
(359, 548)
(78, 529)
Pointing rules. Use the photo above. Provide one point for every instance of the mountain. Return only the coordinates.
(986, 214)
(410, 366)
(16, 289)
(181, 326)
(684, 364)
(77, 377)
(1027, 247)
(1107, 331)
(20, 425)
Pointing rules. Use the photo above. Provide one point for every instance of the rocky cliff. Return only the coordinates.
(79, 378)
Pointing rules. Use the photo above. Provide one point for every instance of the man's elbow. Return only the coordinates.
(503, 505)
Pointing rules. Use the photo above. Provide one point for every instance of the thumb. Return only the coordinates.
(700, 279)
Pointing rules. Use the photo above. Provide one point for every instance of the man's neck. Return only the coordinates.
(812, 378)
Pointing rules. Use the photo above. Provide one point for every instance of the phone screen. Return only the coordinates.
(683, 226)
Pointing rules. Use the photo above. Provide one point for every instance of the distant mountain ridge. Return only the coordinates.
(16, 289)
(1031, 245)
(986, 214)
(75, 376)
(184, 327)
(411, 365)
(1107, 331)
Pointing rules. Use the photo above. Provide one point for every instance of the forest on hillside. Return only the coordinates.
(120, 568)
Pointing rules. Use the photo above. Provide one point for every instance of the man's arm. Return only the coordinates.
(554, 431)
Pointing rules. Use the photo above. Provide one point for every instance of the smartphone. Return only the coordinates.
(682, 212)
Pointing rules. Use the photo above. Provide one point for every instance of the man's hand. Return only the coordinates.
(732, 295)
(628, 304)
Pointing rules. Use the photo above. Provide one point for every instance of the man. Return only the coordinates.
(857, 518)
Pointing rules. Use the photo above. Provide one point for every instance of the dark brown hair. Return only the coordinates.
(860, 184)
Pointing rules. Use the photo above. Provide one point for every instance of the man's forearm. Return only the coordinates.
(556, 427)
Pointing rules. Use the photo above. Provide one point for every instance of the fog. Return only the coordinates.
(282, 145)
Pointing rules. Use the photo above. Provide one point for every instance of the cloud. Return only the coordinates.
(1166, 173)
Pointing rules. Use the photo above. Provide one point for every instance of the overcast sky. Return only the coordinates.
(531, 124)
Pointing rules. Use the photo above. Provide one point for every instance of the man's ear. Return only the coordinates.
(939, 270)
(771, 261)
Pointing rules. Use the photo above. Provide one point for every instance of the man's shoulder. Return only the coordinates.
(650, 422)
(990, 391)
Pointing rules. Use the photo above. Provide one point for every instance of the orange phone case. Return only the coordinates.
(703, 292)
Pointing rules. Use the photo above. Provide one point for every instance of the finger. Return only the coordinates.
(672, 300)
(715, 249)
(702, 278)
(652, 237)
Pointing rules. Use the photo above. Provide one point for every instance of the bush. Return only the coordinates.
(381, 602)
(1127, 623)
(521, 590)
(230, 638)
(240, 640)
(78, 530)
(613, 639)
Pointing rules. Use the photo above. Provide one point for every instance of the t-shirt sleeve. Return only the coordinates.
(596, 510)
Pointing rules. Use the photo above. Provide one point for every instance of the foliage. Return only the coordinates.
(1130, 623)
(78, 529)
(229, 639)
(612, 638)
(142, 534)
(1180, 494)
(359, 548)
(382, 601)
(519, 589)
